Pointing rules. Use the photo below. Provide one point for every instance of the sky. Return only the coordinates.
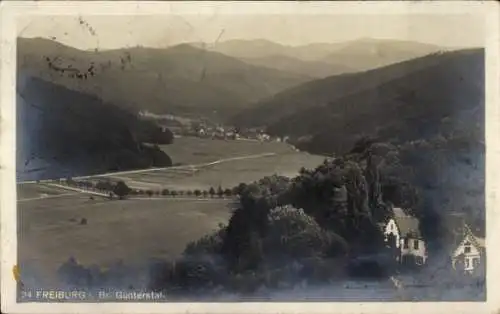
(108, 32)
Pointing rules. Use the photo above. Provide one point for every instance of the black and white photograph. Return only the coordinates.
(305, 156)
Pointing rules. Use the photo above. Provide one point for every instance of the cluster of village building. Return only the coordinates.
(465, 251)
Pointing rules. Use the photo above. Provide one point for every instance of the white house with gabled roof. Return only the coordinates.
(469, 254)
(402, 233)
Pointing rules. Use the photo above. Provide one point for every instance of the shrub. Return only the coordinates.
(294, 234)
(209, 244)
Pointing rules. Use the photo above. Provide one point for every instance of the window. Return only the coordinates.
(405, 241)
(467, 249)
(466, 263)
(475, 262)
(415, 244)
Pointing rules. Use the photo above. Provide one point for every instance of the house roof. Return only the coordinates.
(467, 233)
(407, 225)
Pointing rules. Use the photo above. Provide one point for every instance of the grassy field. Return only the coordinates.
(194, 151)
(136, 230)
(130, 230)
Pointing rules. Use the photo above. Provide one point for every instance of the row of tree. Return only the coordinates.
(121, 189)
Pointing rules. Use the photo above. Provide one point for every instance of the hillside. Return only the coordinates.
(321, 92)
(405, 107)
(430, 111)
(64, 133)
(179, 80)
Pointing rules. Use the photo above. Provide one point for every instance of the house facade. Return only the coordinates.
(402, 235)
(469, 255)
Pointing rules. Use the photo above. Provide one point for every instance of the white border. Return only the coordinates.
(11, 10)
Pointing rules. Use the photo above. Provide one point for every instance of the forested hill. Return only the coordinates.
(61, 133)
(179, 80)
(428, 113)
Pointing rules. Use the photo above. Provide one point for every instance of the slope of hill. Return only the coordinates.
(429, 110)
(64, 133)
(322, 92)
(315, 69)
(178, 80)
(407, 107)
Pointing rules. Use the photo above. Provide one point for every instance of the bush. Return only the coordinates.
(294, 234)
(210, 244)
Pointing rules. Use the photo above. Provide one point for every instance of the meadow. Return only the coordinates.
(196, 152)
(187, 150)
(50, 220)
(133, 231)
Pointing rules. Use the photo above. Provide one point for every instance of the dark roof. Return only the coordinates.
(407, 225)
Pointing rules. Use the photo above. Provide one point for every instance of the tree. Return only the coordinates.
(149, 193)
(174, 193)
(220, 191)
(211, 192)
(205, 193)
(228, 192)
(189, 192)
(165, 192)
(121, 190)
(197, 192)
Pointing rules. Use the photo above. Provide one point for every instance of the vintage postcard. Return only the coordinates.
(244, 157)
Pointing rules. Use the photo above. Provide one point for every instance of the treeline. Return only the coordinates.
(121, 189)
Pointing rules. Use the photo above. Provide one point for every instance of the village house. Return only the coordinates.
(469, 253)
(402, 234)
(465, 249)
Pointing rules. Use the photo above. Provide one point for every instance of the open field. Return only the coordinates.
(193, 150)
(131, 230)
(27, 192)
(135, 230)
(226, 174)
(233, 162)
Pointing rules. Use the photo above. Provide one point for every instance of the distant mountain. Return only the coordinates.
(365, 54)
(315, 69)
(350, 56)
(261, 48)
(181, 80)
(62, 133)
